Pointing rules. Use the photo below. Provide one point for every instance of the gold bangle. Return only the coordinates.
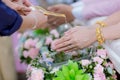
(101, 23)
(99, 36)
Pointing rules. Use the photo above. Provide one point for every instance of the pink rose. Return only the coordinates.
(48, 41)
(33, 53)
(29, 43)
(29, 68)
(98, 60)
(100, 76)
(102, 53)
(55, 33)
(97, 78)
(37, 74)
(85, 62)
(98, 73)
(99, 68)
(25, 54)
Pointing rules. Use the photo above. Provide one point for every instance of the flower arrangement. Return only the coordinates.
(46, 64)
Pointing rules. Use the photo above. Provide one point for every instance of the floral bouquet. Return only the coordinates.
(46, 64)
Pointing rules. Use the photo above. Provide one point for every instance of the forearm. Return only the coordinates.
(28, 23)
(111, 32)
(111, 20)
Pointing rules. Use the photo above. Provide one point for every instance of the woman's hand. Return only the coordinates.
(74, 39)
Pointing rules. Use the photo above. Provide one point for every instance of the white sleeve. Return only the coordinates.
(77, 10)
(76, 4)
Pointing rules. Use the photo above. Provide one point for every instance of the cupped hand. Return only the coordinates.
(74, 39)
(61, 8)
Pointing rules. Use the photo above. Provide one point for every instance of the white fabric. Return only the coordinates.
(77, 9)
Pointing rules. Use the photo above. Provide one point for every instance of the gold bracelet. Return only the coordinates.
(99, 36)
(101, 23)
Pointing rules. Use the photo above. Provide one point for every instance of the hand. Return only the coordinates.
(61, 8)
(21, 6)
(41, 19)
(74, 39)
(23, 2)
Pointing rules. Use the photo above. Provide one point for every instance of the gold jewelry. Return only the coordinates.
(99, 36)
(101, 23)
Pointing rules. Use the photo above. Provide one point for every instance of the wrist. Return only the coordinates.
(106, 34)
(93, 34)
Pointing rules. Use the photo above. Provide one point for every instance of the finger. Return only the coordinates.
(72, 49)
(66, 48)
(62, 40)
(27, 3)
(69, 32)
(23, 10)
(63, 45)
(72, 30)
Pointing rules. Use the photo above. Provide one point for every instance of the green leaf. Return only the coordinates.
(41, 31)
(59, 78)
(65, 72)
(72, 74)
(59, 74)
(70, 64)
(79, 72)
(86, 77)
(75, 66)
(79, 77)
